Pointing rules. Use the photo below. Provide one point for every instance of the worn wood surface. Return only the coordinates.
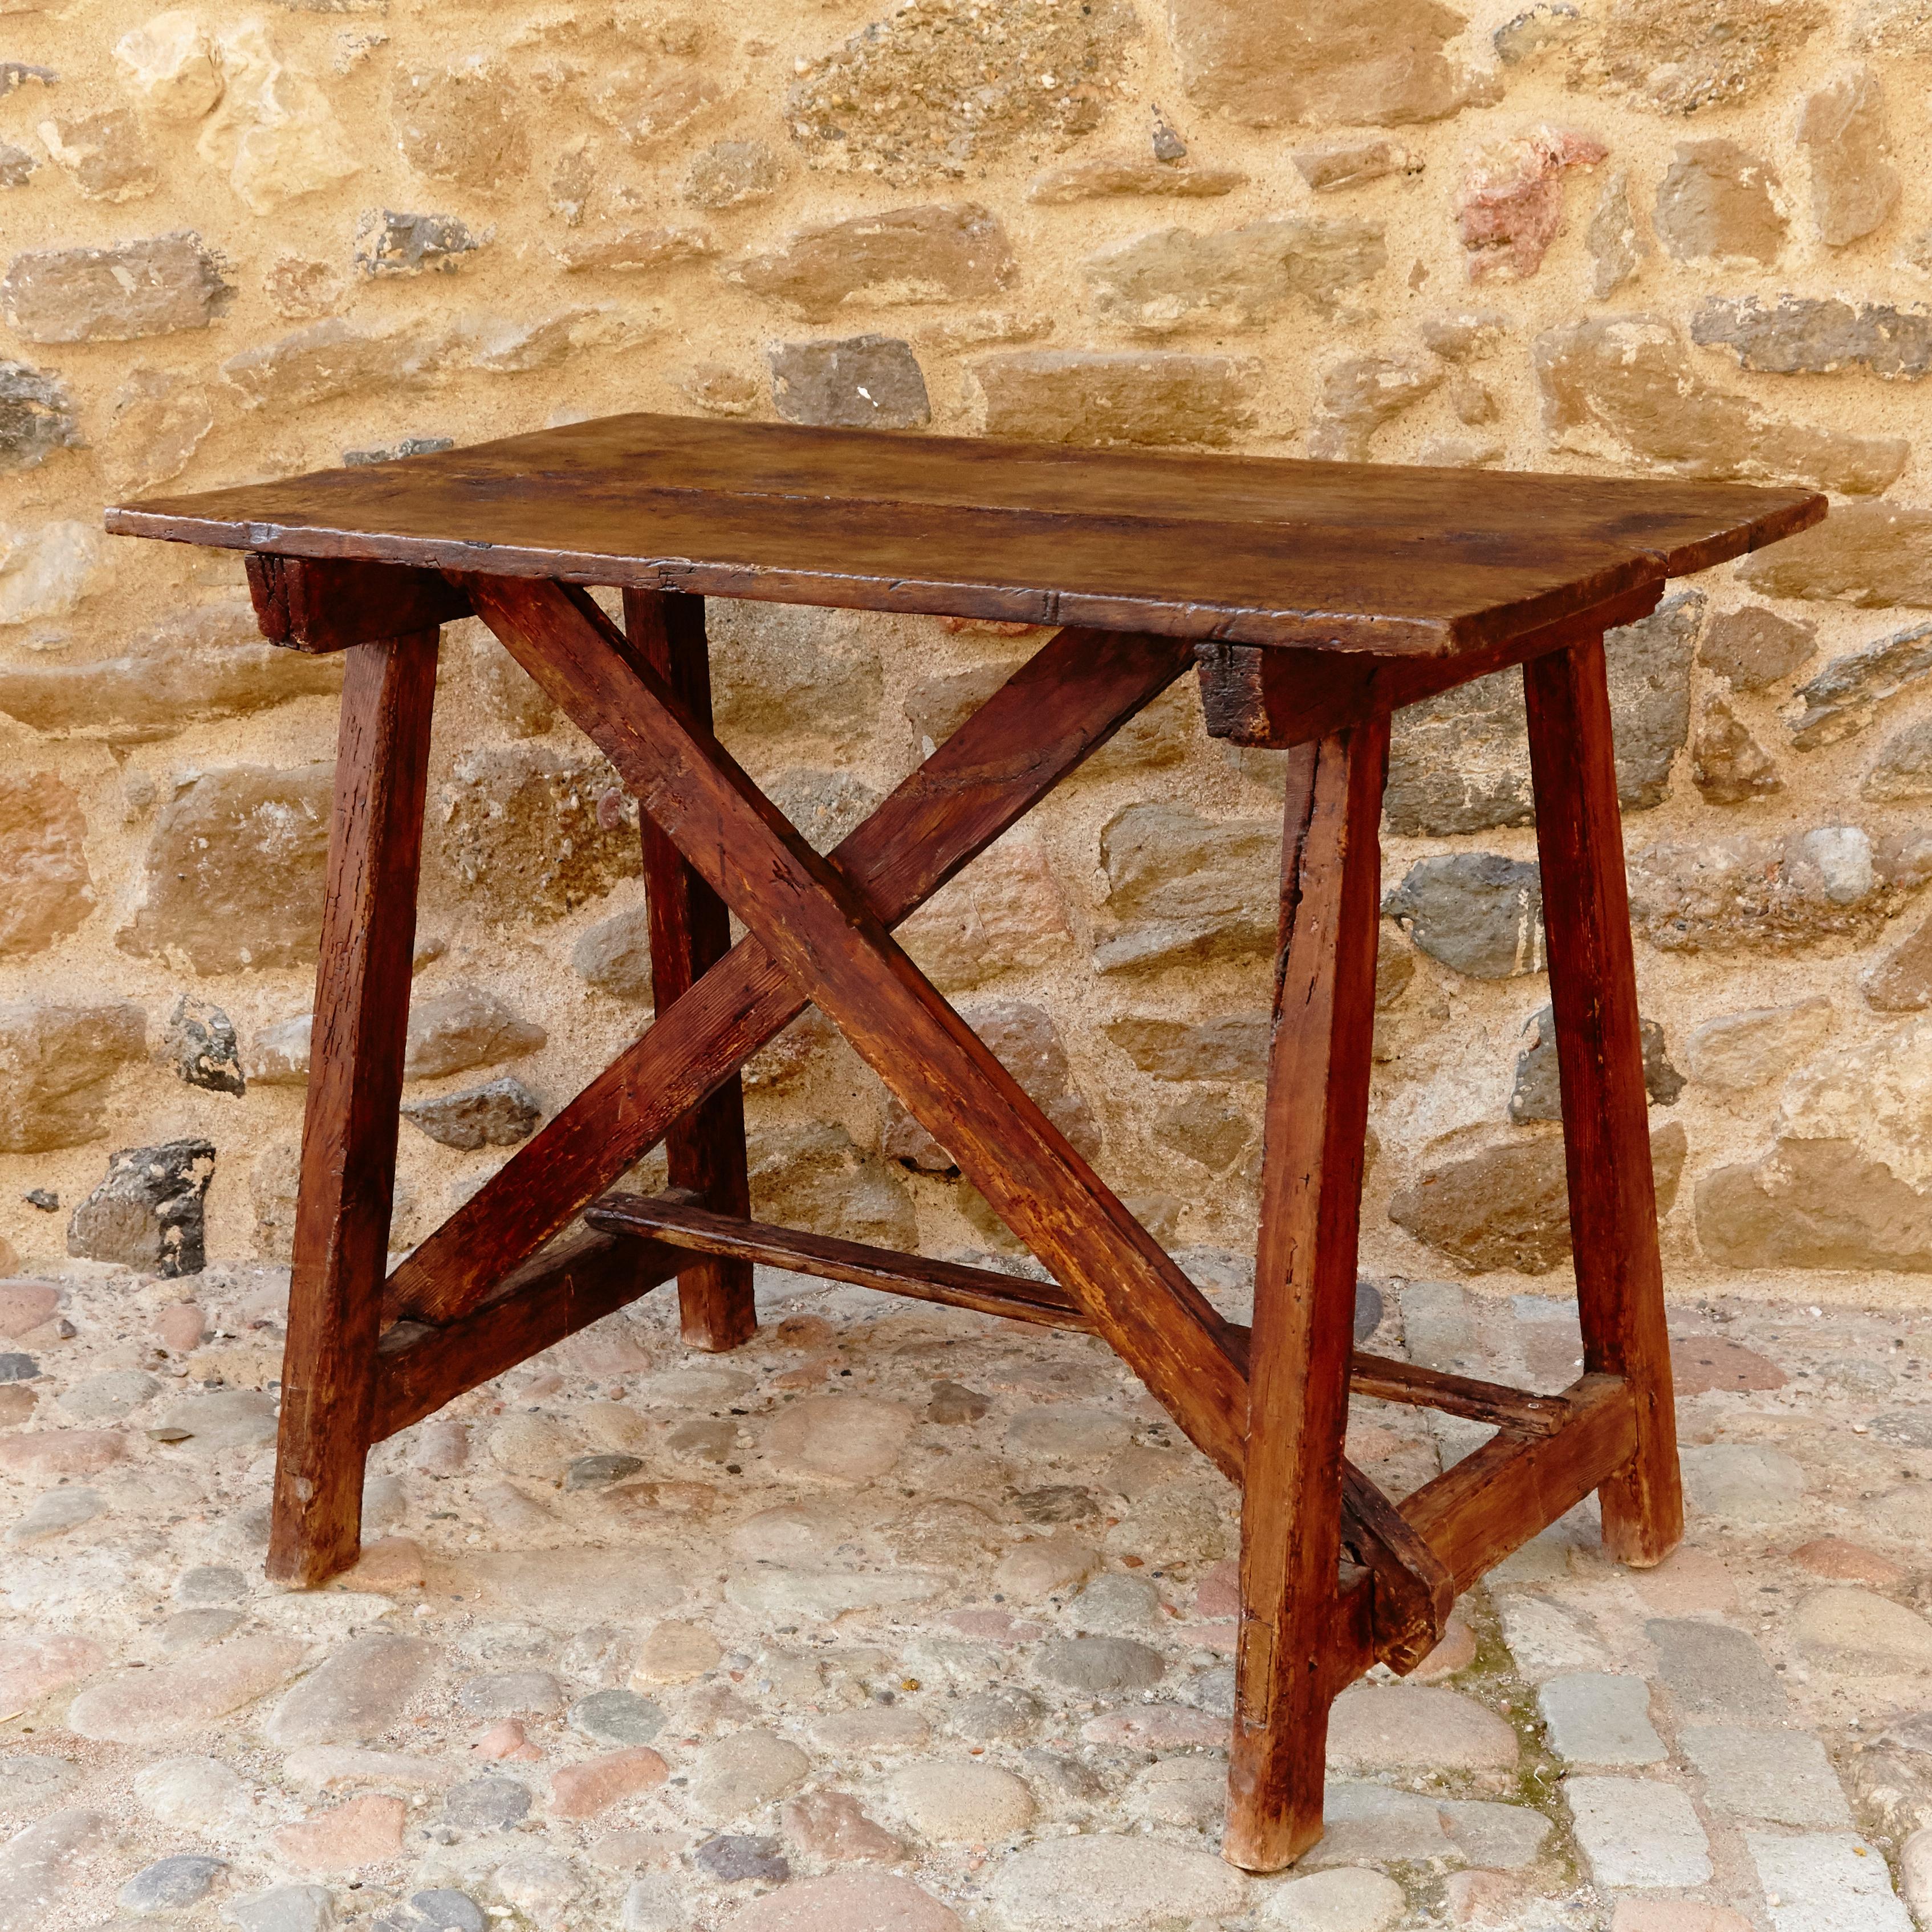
(1497, 1497)
(1414, 1591)
(1382, 1379)
(1058, 708)
(1356, 557)
(824, 935)
(318, 607)
(685, 1224)
(1251, 695)
(1313, 1124)
(574, 1281)
(1600, 1062)
(350, 1124)
(690, 932)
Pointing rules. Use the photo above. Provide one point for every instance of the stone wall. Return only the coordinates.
(1632, 236)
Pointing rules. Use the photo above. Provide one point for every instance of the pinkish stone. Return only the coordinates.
(1157, 1727)
(1225, 1638)
(17, 1404)
(33, 1667)
(1686, 1581)
(505, 1739)
(1844, 1561)
(1482, 1898)
(1456, 1652)
(180, 1326)
(583, 1790)
(1675, 1915)
(1219, 1592)
(1700, 1363)
(833, 1826)
(364, 1831)
(25, 1305)
(1511, 204)
(999, 1627)
(61, 1452)
(845, 1902)
(389, 1563)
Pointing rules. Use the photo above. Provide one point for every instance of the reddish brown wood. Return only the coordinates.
(684, 1224)
(1599, 1059)
(837, 951)
(1500, 1495)
(1316, 1119)
(1414, 1592)
(1381, 1379)
(319, 606)
(1273, 699)
(1058, 708)
(573, 1283)
(690, 932)
(348, 1131)
(1392, 558)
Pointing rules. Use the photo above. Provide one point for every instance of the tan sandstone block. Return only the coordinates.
(1091, 396)
(941, 252)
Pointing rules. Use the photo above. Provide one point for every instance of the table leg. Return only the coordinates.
(1600, 1058)
(690, 932)
(1317, 1115)
(349, 1131)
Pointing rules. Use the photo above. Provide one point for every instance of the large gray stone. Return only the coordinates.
(1712, 1671)
(500, 1113)
(864, 382)
(1638, 1833)
(1824, 1881)
(1460, 762)
(1778, 1777)
(1538, 1093)
(1184, 887)
(171, 1884)
(1817, 334)
(1596, 1718)
(149, 1213)
(1477, 912)
(1845, 696)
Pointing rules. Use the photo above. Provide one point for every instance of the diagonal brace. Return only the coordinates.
(1055, 712)
(823, 934)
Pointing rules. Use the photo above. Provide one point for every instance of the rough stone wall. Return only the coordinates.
(1634, 236)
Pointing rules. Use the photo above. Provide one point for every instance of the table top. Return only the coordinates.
(1254, 549)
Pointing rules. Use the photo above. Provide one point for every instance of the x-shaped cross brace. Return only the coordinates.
(493, 1285)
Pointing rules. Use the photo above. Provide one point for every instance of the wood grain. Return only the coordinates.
(1381, 1379)
(1314, 1123)
(690, 932)
(317, 607)
(1599, 1061)
(825, 936)
(1058, 708)
(1414, 1591)
(1498, 1496)
(1392, 558)
(1276, 698)
(685, 1224)
(350, 1124)
(573, 1283)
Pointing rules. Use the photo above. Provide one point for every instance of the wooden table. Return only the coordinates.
(1314, 598)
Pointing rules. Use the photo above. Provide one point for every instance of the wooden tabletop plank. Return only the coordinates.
(1386, 557)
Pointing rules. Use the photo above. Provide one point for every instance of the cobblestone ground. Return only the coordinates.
(902, 1618)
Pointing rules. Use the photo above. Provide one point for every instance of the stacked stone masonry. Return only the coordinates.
(1621, 236)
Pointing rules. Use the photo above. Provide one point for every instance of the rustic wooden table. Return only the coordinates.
(1314, 597)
